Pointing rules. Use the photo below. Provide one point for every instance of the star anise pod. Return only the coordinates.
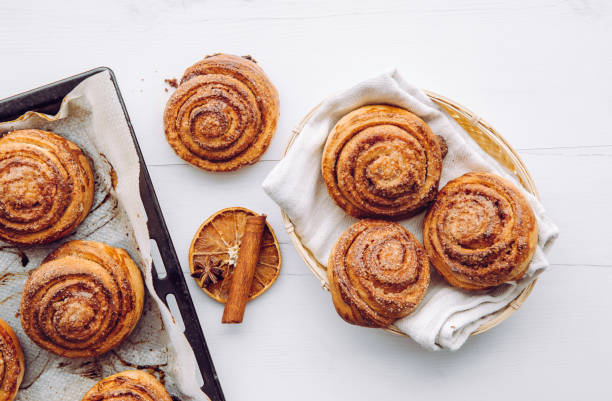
(210, 271)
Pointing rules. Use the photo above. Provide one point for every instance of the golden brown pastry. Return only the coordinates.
(12, 365)
(382, 161)
(378, 273)
(83, 300)
(480, 232)
(133, 385)
(223, 114)
(46, 187)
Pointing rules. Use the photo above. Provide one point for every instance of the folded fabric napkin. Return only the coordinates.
(447, 315)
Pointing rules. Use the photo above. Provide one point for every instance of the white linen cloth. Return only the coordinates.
(447, 315)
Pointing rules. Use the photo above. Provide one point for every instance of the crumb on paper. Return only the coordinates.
(172, 82)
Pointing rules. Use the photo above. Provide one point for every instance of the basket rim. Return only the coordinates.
(521, 172)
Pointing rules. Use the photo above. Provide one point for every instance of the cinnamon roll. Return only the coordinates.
(223, 114)
(382, 161)
(12, 365)
(133, 385)
(83, 300)
(46, 187)
(378, 273)
(480, 232)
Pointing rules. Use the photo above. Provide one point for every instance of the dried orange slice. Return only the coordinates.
(214, 251)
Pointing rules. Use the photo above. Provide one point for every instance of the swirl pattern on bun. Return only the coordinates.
(12, 365)
(83, 300)
(131, 385)
(223, 114)
(480, 232)
(46, 187)
(382, 161)
(378, 273)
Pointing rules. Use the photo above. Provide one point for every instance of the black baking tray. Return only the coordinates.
(47, 99)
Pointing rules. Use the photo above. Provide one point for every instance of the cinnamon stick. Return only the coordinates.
(242, 279)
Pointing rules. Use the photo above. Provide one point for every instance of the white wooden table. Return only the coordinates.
(539, 71)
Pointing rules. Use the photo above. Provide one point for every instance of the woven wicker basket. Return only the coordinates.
(491, 142)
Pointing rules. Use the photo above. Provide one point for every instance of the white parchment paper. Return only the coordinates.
(91, 116)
